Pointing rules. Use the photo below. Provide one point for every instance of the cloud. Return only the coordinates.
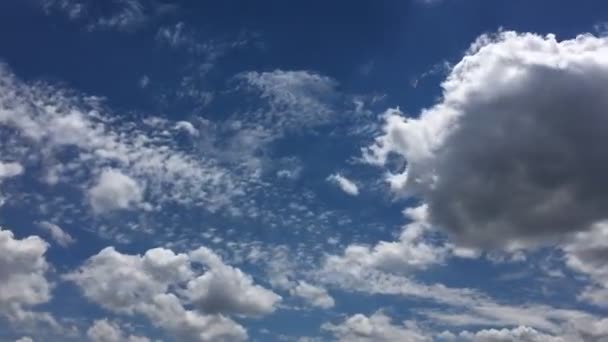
(160, 283)
(225, 289)
(119, 15)
(114, 190)
(296, 99)
(62, 238)
(344, 183)
(25, 339)
(105, 331)
(8, 170)
(23, 282)
(413, 251)
(518, 334)
(313, 295)
(44, 121)
(513, 153)
(377, 327)
(587, 253)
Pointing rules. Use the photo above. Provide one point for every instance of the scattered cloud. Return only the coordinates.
(344, 183)
(314, 295)
(106, 331)
(61, 237)
(377, 327)
(160, 283)
(114, 190)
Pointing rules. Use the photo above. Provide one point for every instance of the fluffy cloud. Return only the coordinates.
(158, 284)
(23, 282)
(414, 250)
(225, 289)
(314, 295)
(344, 183)
(513, 154)
(106, 331)
(114, 190)
(587, 253)
(518, 334)
(7, 170)
(377, 327)
(57, 234)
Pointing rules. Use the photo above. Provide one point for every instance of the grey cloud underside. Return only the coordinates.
(515, 151)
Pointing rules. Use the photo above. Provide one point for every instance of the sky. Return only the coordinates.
(415, 170)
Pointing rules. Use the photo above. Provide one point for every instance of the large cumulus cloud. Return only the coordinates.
(514, 153)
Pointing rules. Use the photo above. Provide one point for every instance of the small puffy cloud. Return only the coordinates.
(344, 183)
(314, 295)
(10, 169)
(61, 237)
(514, 152)
(225, 289)
(414, 250)
(106, 331)
(378, 328)
(25, 339)
(158, 285)
(517, 334)
(186, 127)
(114, 190)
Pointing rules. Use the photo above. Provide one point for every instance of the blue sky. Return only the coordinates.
(303, 170)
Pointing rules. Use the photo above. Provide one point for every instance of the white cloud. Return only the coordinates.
(114, 190)
(124, 15)
(47, 120)
(186, 127)
(225, 289)
(25, 339)
(158, 284)
(344, 183)
(377, 327)
(587, 253)
(10, 169)
(414, 250)
(23, 282)
(296, 99)
(106, 331)
(518, 334)
(512, 155)
(314, 295)
(62, 238)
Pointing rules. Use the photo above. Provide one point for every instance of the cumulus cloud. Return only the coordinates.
(114, 190)
(225, 289)
(377, 327)
(413, 251)
(513, 153)
(518, 334)
(587, 253)
(344, 183)
(160, 283)
(106, 331)
(61, 237)
(23, 282)
(314, 295)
